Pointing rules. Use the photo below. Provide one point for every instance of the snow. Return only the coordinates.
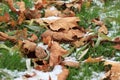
(39, 75)
(97, 76)
(51, 18)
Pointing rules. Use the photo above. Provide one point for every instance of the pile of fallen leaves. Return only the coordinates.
(62, 28)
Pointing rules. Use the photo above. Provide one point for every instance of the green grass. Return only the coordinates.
(11, 60)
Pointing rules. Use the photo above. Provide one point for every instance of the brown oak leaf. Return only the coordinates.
(114, 72)
(64, 74)
(28, 46)
(64, 23)
(56, 51)
(69, 35)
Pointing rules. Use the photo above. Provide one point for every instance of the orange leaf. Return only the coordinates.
(93, 60)
(63, 75)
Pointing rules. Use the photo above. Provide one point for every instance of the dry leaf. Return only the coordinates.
(33, 38)
(41, 65)
(69, 35)
(64, 74)
(3, 36)
(71, 63)
(114, 72)
(117, 46)
(28, 46)
(56, 51)
(32, 14)
(103, 29)
(52, 11)
(5, 18)
(117, 40)
(94, 60)
(21, 5)
(64, 23)
(11, 5)
(40, 53)
(21, 18)
(21, 34)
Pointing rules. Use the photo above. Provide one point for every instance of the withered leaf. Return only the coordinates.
(117, 40)
(56, 51)
(3, 36)
(40, 53)
(103, 29)
(64, 74)
(5, 18)
(28, 46)
(117, 46)
(114, 72)
(71, 63)
(94, 60)
(69, 35)
(33, 38)
(64, 23)
(21, 5)
(11, 5)
(52, 12)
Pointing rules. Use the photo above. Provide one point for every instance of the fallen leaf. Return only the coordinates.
(21, 18)
(71, 63)
(41, 65)
(64, 74)
(21, 5)
(114, 72)
(27, 75)
(32, 14)
(56, 51)
(64, 23)
(52, 11)
(33, 38)
(40, 53)
(3, 36)
(103, 29)
(21, 34)
(117, 46)
(117, 40)
(69, 35)
(11, 5)
(5, 18)
(28, 46)
(94, 60)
